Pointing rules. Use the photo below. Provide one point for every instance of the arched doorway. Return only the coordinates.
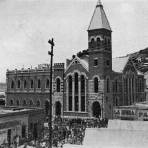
(96, 109)
(58, 108)
(46, 107)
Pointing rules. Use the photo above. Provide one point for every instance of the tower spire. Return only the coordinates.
(99, 19)
(99, 3)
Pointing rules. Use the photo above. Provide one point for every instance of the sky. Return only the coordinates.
(27, 25)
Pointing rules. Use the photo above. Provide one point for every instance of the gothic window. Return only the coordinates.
(25, 84)
(82, 103)
(39, 83)
(140, 85)
(98, 42)
(38, 103)
(30, 103)
(12, 84)
(116, 86)
(70, 84)
(82, 84)
(24, 103)
(105, 41)
(108, 41)
(11, 102)
(108, 85)
(107, 62)
(76, 83)
(18, 84)
(96, 85)
(47, 83)
(31, 85)
(95, 62)
(92, 43)
(70, 103)
(116, 101)
(76, 103)
(17, 103)
(70, 93)
(23, 131)
(58, 85)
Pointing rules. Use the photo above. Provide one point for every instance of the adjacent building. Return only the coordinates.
(21, 123)
(30, 87)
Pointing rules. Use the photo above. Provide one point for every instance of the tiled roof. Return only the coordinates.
(119, 63)
(99, 19)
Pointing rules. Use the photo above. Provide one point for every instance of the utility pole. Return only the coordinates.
(51, 42)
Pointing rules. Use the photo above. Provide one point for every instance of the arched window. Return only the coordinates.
(76, 82)
(38, 103)
(58, 85)
(39, 83)
(108, 85)
(92, 43)
(25, 84)
(108, 41)
(83, 93)
(17, 103)
(105, 41)
(116, 85)
(18, 84)
(47, 83)
(31, 84)
(82, 84)
(96, 88)
(70, 84)
(11, 102)
(98, 42)
(12, 84)
(70, 93)
(30, 102)
(24, 103)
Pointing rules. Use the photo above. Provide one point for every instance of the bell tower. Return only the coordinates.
(99, 43)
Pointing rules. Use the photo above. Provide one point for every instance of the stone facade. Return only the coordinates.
(30, 87)
(106, 84)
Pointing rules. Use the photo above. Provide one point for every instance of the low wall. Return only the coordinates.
(128, 125)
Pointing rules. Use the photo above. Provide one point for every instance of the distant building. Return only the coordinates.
(21, 123)
(30, 87)
(2, 94)
(3, 87)
(137, 111)
(2, 98)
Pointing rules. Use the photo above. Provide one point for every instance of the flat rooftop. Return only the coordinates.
(13, 111)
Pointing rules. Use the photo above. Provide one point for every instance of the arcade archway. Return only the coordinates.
(58, 108)
(96, 109)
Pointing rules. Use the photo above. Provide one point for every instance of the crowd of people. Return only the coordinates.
(73, 130)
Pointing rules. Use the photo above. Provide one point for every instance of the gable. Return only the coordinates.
(78, 61)
(130, 67)
(76, 65)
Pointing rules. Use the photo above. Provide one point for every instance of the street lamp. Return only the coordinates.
(51, 42)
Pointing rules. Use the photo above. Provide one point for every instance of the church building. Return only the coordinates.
(94, 82)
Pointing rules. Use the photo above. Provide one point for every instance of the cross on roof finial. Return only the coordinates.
(99, 3)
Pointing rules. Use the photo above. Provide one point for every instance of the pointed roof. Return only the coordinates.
(122, 61)
(99, 19)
